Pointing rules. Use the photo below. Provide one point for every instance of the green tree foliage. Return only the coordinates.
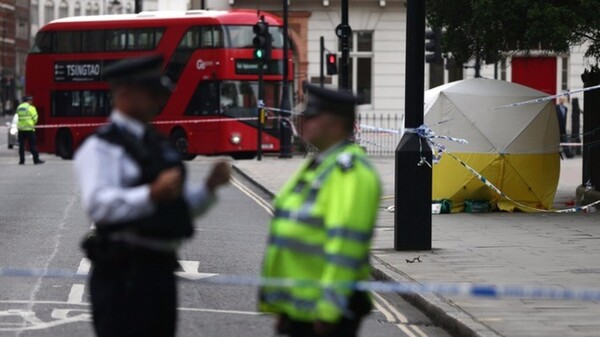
(490, 29)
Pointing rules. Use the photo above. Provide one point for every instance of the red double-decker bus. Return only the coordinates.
(208, 54)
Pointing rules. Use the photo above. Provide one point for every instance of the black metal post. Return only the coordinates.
(285, 132)
(261, 110)
(138, 6)
(322, 63)
(203, 4)
(4, 66)
(346, 35)
(412, 217)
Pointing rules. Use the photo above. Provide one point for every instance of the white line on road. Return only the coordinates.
(260, 201)
(84, 267)
(393, 315)
(76, 293)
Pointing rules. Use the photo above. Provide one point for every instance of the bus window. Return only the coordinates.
(242, 36)
(43, 43)
(193, 39)
(66, 104)
(67, 42)
(212, 37)
(158, 36)
(116, 40)
(94, 103)
(94, 40)
(86, 103)
(142, 39)
(203, 101)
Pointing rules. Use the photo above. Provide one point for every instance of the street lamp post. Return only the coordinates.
(412, 214)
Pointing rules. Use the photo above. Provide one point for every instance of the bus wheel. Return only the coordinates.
(64, 144)
(243, 155)
(180, 142)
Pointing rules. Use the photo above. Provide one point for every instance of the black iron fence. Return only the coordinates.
(379, 134)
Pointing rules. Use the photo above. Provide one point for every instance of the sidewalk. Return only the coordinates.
(494, 248)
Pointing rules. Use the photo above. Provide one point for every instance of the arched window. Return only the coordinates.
(63, 10)
(129, 8)
(77, 11)
(96, 9)
(88, 9)
(49, 11)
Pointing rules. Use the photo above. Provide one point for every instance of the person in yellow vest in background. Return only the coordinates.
(322, 227)
(28, 118)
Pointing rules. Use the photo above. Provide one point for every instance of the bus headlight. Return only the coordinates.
(13, 131)
(236, 139)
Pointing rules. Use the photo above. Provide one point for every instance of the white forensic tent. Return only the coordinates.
(516, 148)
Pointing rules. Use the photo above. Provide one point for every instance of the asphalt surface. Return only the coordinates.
(41, 225)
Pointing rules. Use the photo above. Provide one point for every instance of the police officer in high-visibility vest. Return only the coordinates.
(28, 118)
(134, 188)
(322, 227)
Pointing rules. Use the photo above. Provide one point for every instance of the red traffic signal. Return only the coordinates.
(331, 64)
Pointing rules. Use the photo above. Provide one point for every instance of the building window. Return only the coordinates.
(361, 66)
(96, 9)
(565, 74)
(129, 8)
(77, 11)
(503, 69)
(88, 9)
(49, 12)
(34, 13)
(21, 28)
(63, 10)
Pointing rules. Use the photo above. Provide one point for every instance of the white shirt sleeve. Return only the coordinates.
(198, 198)
(99, 168)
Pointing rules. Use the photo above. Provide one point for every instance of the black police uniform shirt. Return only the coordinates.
(103, 171)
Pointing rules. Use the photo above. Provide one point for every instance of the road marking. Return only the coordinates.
(393, 315)
(190, 270)
(259, 200)
(84, 267)
(219, 311)
(76, 293)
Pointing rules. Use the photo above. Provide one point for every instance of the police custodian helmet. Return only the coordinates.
(143, 72)
(327, 101)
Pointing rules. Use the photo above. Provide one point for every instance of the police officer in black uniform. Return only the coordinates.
(134, 188)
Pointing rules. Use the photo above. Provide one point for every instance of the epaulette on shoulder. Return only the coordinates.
(105, 130)
(345, 161)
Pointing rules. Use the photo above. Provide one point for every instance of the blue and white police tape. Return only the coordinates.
(444, 289)
(487, 183)
(426, 133)
(546, 98)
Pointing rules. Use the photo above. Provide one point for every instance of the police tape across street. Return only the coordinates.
(405, 288)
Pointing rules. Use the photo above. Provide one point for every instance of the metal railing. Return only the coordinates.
(379, 134)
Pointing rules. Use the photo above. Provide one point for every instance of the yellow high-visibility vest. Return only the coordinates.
(28, 117)
(321, 232)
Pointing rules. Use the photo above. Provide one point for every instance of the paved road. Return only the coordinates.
(41, 225)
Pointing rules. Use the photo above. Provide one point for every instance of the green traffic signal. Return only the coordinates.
(259, 54)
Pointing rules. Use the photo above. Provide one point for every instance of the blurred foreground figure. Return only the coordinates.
(322, 228)
(134, 188)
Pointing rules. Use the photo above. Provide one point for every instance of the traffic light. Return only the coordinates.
(262, 41)
(433, 44)
(331, 64)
